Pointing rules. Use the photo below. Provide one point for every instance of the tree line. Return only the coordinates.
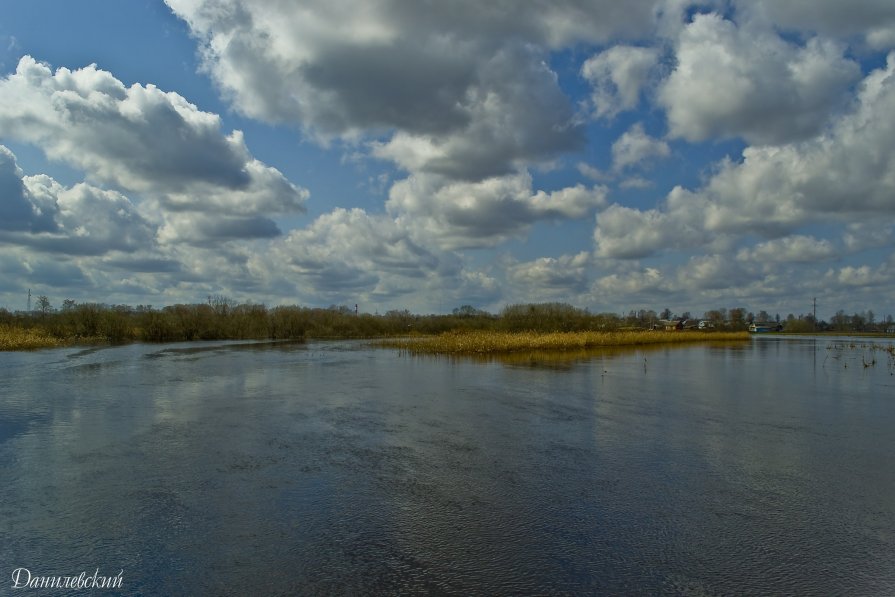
(221, 318)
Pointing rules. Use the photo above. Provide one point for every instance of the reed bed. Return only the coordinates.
(16, 338)
(493, 342)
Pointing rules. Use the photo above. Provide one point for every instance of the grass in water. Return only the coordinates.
(15, 338)
(489, 342)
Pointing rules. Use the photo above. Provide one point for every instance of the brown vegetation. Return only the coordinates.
(16, 338)
(486, 342)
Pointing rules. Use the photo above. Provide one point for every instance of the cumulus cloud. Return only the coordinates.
(331, 65)
(874, 20)
(861, 277)
(791, 249)
(738, 81)
(463, 99)
(618, 76)
(845, 173)
(849, 171)
(629, 233)
(38, 212)
(20, 209)
(714, 281)
(516, 114)
(635, 148)
(859, 236)
(705, 272)
(630, 284)
(141, 139)
(473, 94)
(350, 251)
(591, 172)
(552, 275)
(485, 213)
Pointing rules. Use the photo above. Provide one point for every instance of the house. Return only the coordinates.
(669, 325)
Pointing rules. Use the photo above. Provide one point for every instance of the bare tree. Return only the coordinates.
(43, 305)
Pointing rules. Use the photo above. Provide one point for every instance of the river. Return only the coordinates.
(232, 468)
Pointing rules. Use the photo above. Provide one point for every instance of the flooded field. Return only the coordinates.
(232, 468)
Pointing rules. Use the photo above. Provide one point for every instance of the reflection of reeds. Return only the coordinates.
(491, 342)
(559, 359)
(838, 349)
(15, 338)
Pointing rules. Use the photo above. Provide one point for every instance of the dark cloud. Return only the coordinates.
(460, 89)
(142, 264)
(872, 20)
(206, 229)
(393, 86)
(20, 210)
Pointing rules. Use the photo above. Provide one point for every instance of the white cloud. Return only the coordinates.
(845, 175)
(351, 256)
(704, 272)
(141, 139)
(40, 213)
(740, 81)
(474, 287)
(861, 277)
(618, 76)
(636, 182)
(791, 249)
(635, 147)
(485, 213)
(349, 251)
(463, 99)
(591, 172)
(629, 233)
(849, 171)
(868, 235)
(629, 284)
(552, 275)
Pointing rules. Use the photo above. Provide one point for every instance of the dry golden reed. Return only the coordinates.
(16, 338)
(490, 342)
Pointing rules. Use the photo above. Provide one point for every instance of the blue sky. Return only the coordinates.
(393, 154)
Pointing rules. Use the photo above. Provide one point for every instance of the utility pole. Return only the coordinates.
(29, 300)
(815, 314)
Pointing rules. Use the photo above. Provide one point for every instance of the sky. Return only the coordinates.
(398, 154)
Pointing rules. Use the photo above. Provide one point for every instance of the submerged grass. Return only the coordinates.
(846, 352)
(16, 338)
(493, 342)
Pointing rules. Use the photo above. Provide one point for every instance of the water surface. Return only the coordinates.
(235, 468)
